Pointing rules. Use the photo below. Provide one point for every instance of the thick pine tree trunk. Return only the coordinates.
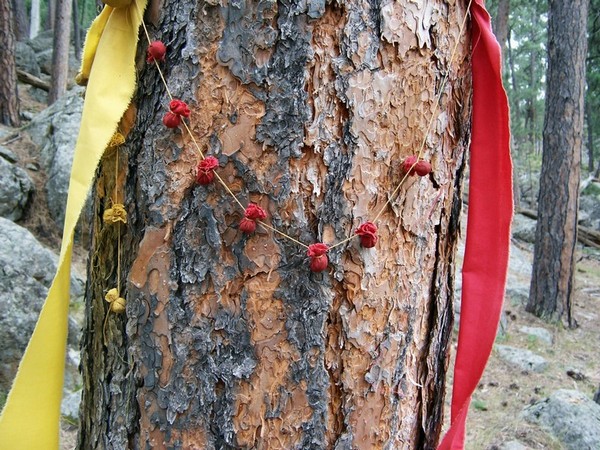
(230, 341)
(552, 280)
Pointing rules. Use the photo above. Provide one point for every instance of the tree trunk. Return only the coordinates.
(9, 97)
(50, 15)
(60, 52)
(21, 22)
(76, 31)
(230, 341)
(34, 24)
(556, 232)
(500, 24)
(590, 136)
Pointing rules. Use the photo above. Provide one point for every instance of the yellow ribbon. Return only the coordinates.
(30, 418)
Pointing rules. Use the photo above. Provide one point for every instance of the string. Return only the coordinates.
(162, 77)
(118, 224)
(393, 194)
(433, 116)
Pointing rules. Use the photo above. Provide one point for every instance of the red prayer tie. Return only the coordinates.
(488, 224)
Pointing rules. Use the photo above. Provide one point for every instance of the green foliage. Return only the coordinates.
(88, 10)
(524, 78)
(479, 405)
(524, 73)
(592, 97)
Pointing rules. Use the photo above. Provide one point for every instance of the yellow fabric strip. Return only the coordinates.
(30, 418)
(91, 44)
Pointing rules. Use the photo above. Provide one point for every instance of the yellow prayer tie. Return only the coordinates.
(30, 418)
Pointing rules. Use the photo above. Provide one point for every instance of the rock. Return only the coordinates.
(589, 211)
(25, 59)
(55, 130)
(27, 115)
(15, 190)
(69, 406)
(5, 131)
(519, 269)
(570, 416)
(540, 333)
(26, 272)
(523, 228)
(8, 155)
(517, 295)
(72, 377)
(576, 374)
(512, 445)
(43, 41)
(521, 358)
(44, 59)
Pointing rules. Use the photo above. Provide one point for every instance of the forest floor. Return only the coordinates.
(573, 362)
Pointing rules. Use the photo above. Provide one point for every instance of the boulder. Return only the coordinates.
(26, 272)
(521, 358)
(589, 211)
(541, 334)
(512, 445)
(25, 59)
(570, 416)
(55, 131)
(43, 41)
(523, 228)
(69, 406)
(15, 190)
(8, 155)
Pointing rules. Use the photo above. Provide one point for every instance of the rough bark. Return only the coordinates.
(9, 98)
(50, 15)
(500, 24)
(21, 21)
(556, 231)
(76, 30)
(60, 50)
(230, 341)
(590, 136)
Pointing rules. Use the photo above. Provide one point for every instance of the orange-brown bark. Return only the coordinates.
(232, 341)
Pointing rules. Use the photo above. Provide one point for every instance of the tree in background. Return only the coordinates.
(592, 96)
(21, 22)
(9, 98)
(60, 51)
(233, 341)
(34, 19)
(552, 280)
(524, 58)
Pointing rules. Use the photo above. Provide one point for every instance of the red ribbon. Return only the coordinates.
(488, 224)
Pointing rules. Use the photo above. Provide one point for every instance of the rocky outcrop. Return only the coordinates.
(15, 189)
(522, 359)
(55, 131)
(26, 272)
(570, 416)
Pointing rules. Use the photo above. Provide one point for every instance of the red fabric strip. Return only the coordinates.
(488, 224)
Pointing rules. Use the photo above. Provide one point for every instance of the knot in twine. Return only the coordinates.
(115, 214)
(117, 303)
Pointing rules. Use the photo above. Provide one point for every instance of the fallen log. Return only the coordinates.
(587, 236)
(27, 78)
